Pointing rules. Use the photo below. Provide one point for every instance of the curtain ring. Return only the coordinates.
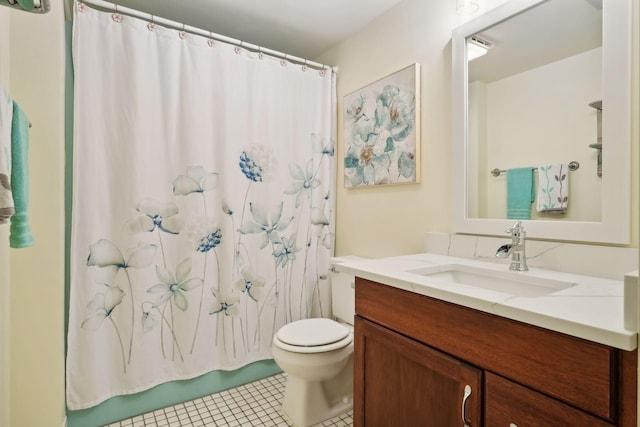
(260, 53)
(211, 42)
(238, 48)
(151, 25)
(283, 61)
(323, 71)
(304, 66)
(81, 6)
(182, 34)
(116, 16)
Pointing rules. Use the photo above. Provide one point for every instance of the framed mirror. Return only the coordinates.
(552, 87)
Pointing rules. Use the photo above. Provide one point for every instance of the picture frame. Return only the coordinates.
(382, 131)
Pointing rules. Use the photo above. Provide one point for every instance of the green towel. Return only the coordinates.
(20, 231)
(27, 5)
(520, 193)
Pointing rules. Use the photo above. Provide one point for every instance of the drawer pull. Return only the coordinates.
(467, 393)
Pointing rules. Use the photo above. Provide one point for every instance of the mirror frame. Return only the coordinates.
(615, 223)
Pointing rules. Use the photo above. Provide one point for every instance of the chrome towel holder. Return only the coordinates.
(573, 166)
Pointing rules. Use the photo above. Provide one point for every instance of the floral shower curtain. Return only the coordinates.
(203, 204)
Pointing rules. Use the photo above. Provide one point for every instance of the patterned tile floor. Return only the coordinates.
(253, 404)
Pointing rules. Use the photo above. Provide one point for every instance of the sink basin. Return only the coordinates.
(522, 284)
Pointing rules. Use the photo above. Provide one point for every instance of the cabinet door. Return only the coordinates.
(401, 382)
(508, 404)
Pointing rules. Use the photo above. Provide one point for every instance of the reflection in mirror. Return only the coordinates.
(528, 106)
(544, 90)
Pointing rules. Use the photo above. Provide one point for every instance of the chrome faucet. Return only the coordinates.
(516, 248)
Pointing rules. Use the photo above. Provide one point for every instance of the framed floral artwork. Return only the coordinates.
(382, 131)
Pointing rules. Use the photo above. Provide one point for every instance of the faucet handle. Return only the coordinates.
(516, 229)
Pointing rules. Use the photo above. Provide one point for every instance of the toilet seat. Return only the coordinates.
(313, 336)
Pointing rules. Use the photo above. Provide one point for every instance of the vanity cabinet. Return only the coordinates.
(415, 355)
(406, 383)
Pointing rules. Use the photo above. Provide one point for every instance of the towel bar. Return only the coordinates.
(573, 166)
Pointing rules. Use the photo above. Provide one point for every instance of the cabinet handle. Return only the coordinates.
(467, 393)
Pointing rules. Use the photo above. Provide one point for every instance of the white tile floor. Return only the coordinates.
(253, 404)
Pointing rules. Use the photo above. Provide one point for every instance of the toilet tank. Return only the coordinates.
(343, 292)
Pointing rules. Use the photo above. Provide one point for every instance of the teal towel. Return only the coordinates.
(20, 231)
(520, 193)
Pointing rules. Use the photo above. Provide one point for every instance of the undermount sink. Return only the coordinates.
(522, 284)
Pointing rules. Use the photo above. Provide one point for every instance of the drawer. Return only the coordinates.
(508, 404)
(578, 372)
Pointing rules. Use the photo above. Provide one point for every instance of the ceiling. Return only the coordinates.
(543, 34)
(303, 28)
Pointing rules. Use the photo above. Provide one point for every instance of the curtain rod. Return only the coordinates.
(194, 30)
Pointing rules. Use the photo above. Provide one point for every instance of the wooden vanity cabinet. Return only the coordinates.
(406, 383)
(414, 356)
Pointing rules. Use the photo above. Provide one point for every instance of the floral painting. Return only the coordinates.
(382, 132)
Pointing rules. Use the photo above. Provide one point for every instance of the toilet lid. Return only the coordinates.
(312, 332)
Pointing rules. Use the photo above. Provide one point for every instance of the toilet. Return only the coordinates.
(317, 355)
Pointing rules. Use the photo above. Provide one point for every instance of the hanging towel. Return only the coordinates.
(6, 197)
(20, 231)
(520, 193)
(553, 188)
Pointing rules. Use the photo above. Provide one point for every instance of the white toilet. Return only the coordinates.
(317, 355)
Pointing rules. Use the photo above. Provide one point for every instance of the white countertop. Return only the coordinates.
(592, 308)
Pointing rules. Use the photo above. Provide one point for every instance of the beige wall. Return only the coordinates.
(32, 71)
(393, 220)
(635, 130)
(4, 250)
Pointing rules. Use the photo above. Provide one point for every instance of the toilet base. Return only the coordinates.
(307, 403)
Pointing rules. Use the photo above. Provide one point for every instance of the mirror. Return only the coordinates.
(553, 83)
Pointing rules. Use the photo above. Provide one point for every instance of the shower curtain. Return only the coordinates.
(203, 204)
